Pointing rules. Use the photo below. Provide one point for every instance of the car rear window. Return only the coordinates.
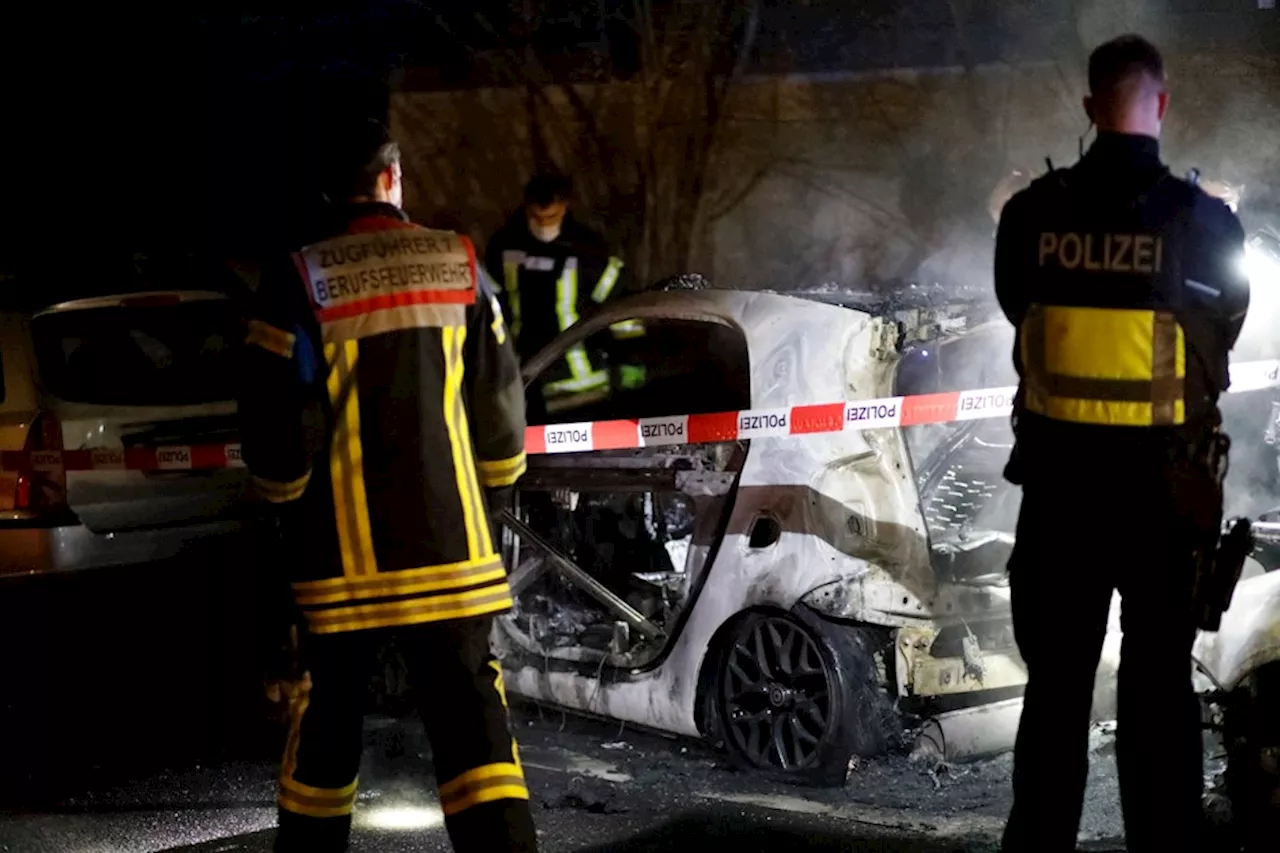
(154, 355)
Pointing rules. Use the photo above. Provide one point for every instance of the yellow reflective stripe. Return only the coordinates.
(389, 585)
(498, 781)
(271, 339)
(567, 294)
(325, 585)
(297, 708)
(346, 464)
(337, 459)
(277, 492)
(503, 472)
(460, 442)
(1102, 343)
(355, 449)
(478, 509)
(435, 608)
(627, 329)
(316, 802)
(579, 363)
(1123, 367)
(589, 382)
(500, 683)
(498, 328)
(608, 280)
(296, 787)
(1108, 412)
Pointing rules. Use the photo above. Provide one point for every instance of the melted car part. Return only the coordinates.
(593, 587)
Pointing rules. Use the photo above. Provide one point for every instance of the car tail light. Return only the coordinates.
(37, 489)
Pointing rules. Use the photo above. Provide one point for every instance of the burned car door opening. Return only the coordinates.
(607, 549)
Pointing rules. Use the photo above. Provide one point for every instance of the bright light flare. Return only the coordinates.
(1262, 269)
(401, 817)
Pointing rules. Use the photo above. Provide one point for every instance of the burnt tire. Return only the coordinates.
(1253, 760)
(795, 694)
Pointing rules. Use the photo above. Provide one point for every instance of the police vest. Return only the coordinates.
(1108, 339)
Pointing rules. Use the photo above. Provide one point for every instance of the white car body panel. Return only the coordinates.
(1249, 635)
(854, 538)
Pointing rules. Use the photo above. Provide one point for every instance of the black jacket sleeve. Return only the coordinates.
(1015, 263)
(495, 266)
(1213, 268)
(495, 393)
(1015, 258)
(281, 415)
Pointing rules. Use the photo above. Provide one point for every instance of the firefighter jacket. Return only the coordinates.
(381, 395)
(1125, 286)
(546, 288)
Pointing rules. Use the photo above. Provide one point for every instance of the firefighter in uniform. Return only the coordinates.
(554, 269)
(1124, 285)
(381, 407)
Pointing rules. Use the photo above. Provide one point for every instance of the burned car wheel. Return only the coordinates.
(1253, 760)
(799, 695)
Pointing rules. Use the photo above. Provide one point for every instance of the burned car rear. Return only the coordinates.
(790, 596)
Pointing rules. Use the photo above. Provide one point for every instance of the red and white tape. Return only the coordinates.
(183, 457)
(850, 416)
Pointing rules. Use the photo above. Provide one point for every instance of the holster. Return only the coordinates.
(1218, 552)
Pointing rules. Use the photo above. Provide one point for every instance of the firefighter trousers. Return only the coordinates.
(459, 694)
(1075, 545)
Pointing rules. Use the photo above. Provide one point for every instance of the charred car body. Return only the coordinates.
(792, 598)
(802, 599)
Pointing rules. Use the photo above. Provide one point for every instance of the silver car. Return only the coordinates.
(132, 371)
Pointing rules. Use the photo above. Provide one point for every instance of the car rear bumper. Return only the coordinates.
(30, 549)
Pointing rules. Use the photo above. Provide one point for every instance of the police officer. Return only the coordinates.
(381, 406)
(553, 270)
(1125, 288)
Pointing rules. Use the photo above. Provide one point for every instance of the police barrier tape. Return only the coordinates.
(168, 458)
(850, 415)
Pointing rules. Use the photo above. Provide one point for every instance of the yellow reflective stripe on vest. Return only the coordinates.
(608, 280)
(1110, 366)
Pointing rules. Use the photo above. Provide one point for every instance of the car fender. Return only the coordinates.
(1249, 635)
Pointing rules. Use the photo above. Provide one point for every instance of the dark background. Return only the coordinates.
(184, 130)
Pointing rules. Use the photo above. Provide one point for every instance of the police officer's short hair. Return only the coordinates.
(358, 156)
(1116, 62)
(547, 188)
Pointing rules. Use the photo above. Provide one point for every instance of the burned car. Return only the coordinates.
(792, 597)
(801, 599)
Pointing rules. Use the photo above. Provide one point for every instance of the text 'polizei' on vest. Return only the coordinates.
(1135, 253)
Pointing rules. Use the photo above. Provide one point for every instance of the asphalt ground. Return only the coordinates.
(131, 722)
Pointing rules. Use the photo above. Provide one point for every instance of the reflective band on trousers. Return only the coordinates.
(608, 280)
(1110, 366)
